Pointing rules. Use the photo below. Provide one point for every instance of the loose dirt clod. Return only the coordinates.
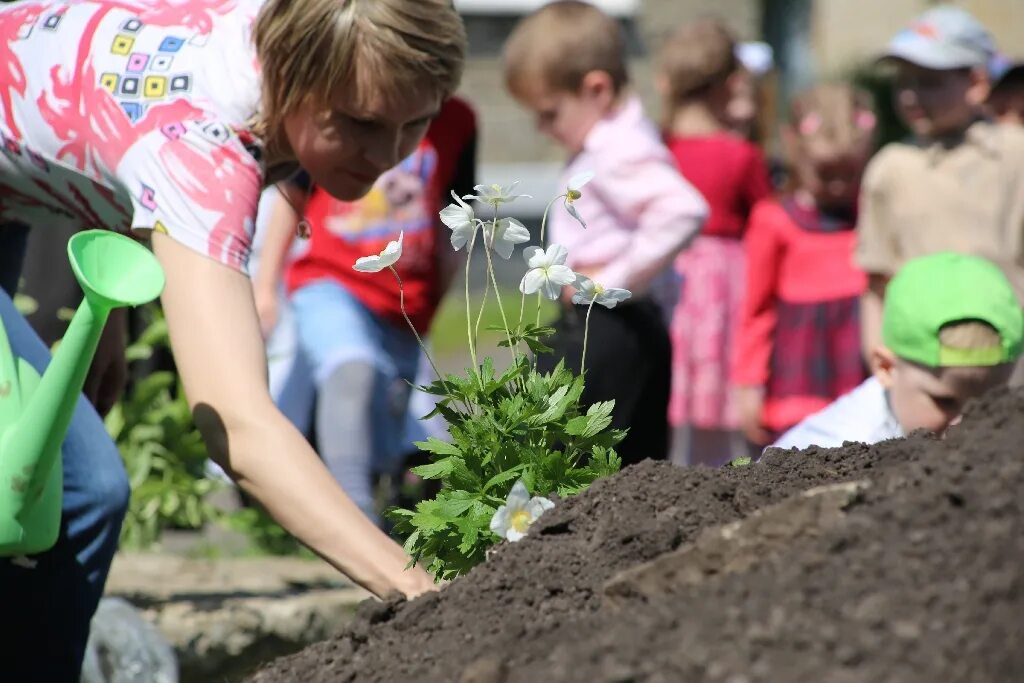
(919, 576)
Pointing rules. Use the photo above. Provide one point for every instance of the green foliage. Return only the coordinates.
(266, 536)
(519, 424)
(162, 451)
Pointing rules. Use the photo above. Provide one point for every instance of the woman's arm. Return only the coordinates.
(217, 346)
(280, 227)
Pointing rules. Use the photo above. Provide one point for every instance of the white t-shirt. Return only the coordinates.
(131, 114)
(863, 415)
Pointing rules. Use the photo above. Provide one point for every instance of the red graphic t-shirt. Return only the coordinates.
(405, 199)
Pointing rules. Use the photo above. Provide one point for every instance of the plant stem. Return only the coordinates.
(544, 219)
(419, 340)
(469, 315)
(522, 309)
(480, 314)
(494, 281)
(586, 332)
(543, 228)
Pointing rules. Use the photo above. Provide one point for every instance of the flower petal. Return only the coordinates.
(538, 505)
(499, 522)
(561, 275)
(584, 284)
(612, 296)
(534, 257)
(518, 497)
(504, 249)
(392, 252)
(516, 232)
(513, 536)
(555, 255)
(550, 289)
(580, 179)
(532, 281)
(462, 235)
(582, 298)
(455, 216)
(369, 264)
(571, 208)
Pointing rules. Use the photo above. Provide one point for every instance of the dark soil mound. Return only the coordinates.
(920, 577)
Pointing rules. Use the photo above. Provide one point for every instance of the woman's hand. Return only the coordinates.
(219, 353)
(751, 403)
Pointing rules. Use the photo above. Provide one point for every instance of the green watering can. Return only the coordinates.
(35, 412)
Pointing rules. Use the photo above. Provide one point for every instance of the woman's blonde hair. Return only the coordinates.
(310, 48)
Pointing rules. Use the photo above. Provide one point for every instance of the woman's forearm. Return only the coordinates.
(273, 463)
(219, 353)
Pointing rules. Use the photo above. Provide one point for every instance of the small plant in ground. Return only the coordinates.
(514, 432)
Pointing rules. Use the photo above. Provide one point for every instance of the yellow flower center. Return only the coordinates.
(521, 521)
(598, 288)
(573, 195)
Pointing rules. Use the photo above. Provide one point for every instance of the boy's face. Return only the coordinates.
(933, 398)
(346, 145)
(934, 103)
(567, 117)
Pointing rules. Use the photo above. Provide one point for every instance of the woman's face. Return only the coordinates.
(346, 144)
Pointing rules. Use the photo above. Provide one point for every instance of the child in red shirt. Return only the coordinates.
(698, 77)
(798, 346)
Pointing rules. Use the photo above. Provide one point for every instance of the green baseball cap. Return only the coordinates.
(933, 291)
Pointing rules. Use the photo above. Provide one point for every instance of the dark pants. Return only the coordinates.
(629, 360)
(47, 601)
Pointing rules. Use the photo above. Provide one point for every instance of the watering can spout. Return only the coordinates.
(35, 412)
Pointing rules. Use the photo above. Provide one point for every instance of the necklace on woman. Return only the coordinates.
(303, 230)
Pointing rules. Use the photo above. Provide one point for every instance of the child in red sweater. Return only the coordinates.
(698, 77)
(798, 346)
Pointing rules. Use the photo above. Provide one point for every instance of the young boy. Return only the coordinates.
(959, 184)
(952, 330)
(567, 64)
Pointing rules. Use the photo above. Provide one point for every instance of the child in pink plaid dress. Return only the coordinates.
(798, 343)
(698, 77)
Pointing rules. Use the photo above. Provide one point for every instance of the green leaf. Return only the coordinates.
(507, 475)
(435, 445)
(436, 470)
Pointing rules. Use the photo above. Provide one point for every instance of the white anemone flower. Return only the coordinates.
(503, 236)
(572, 193)
(459, 217)
(548, 272)
(588, 291)
(495, 194)
(513, 519)
(386, 258)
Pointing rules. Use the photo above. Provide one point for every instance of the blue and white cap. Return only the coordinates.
(944, 37)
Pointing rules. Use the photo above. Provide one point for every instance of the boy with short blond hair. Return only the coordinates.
(958, 185)
(566, 63)
(952, 329)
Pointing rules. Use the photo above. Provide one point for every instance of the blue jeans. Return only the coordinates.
(45, 609)
(363, 367)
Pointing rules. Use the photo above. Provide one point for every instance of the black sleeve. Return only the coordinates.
(464, 177)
